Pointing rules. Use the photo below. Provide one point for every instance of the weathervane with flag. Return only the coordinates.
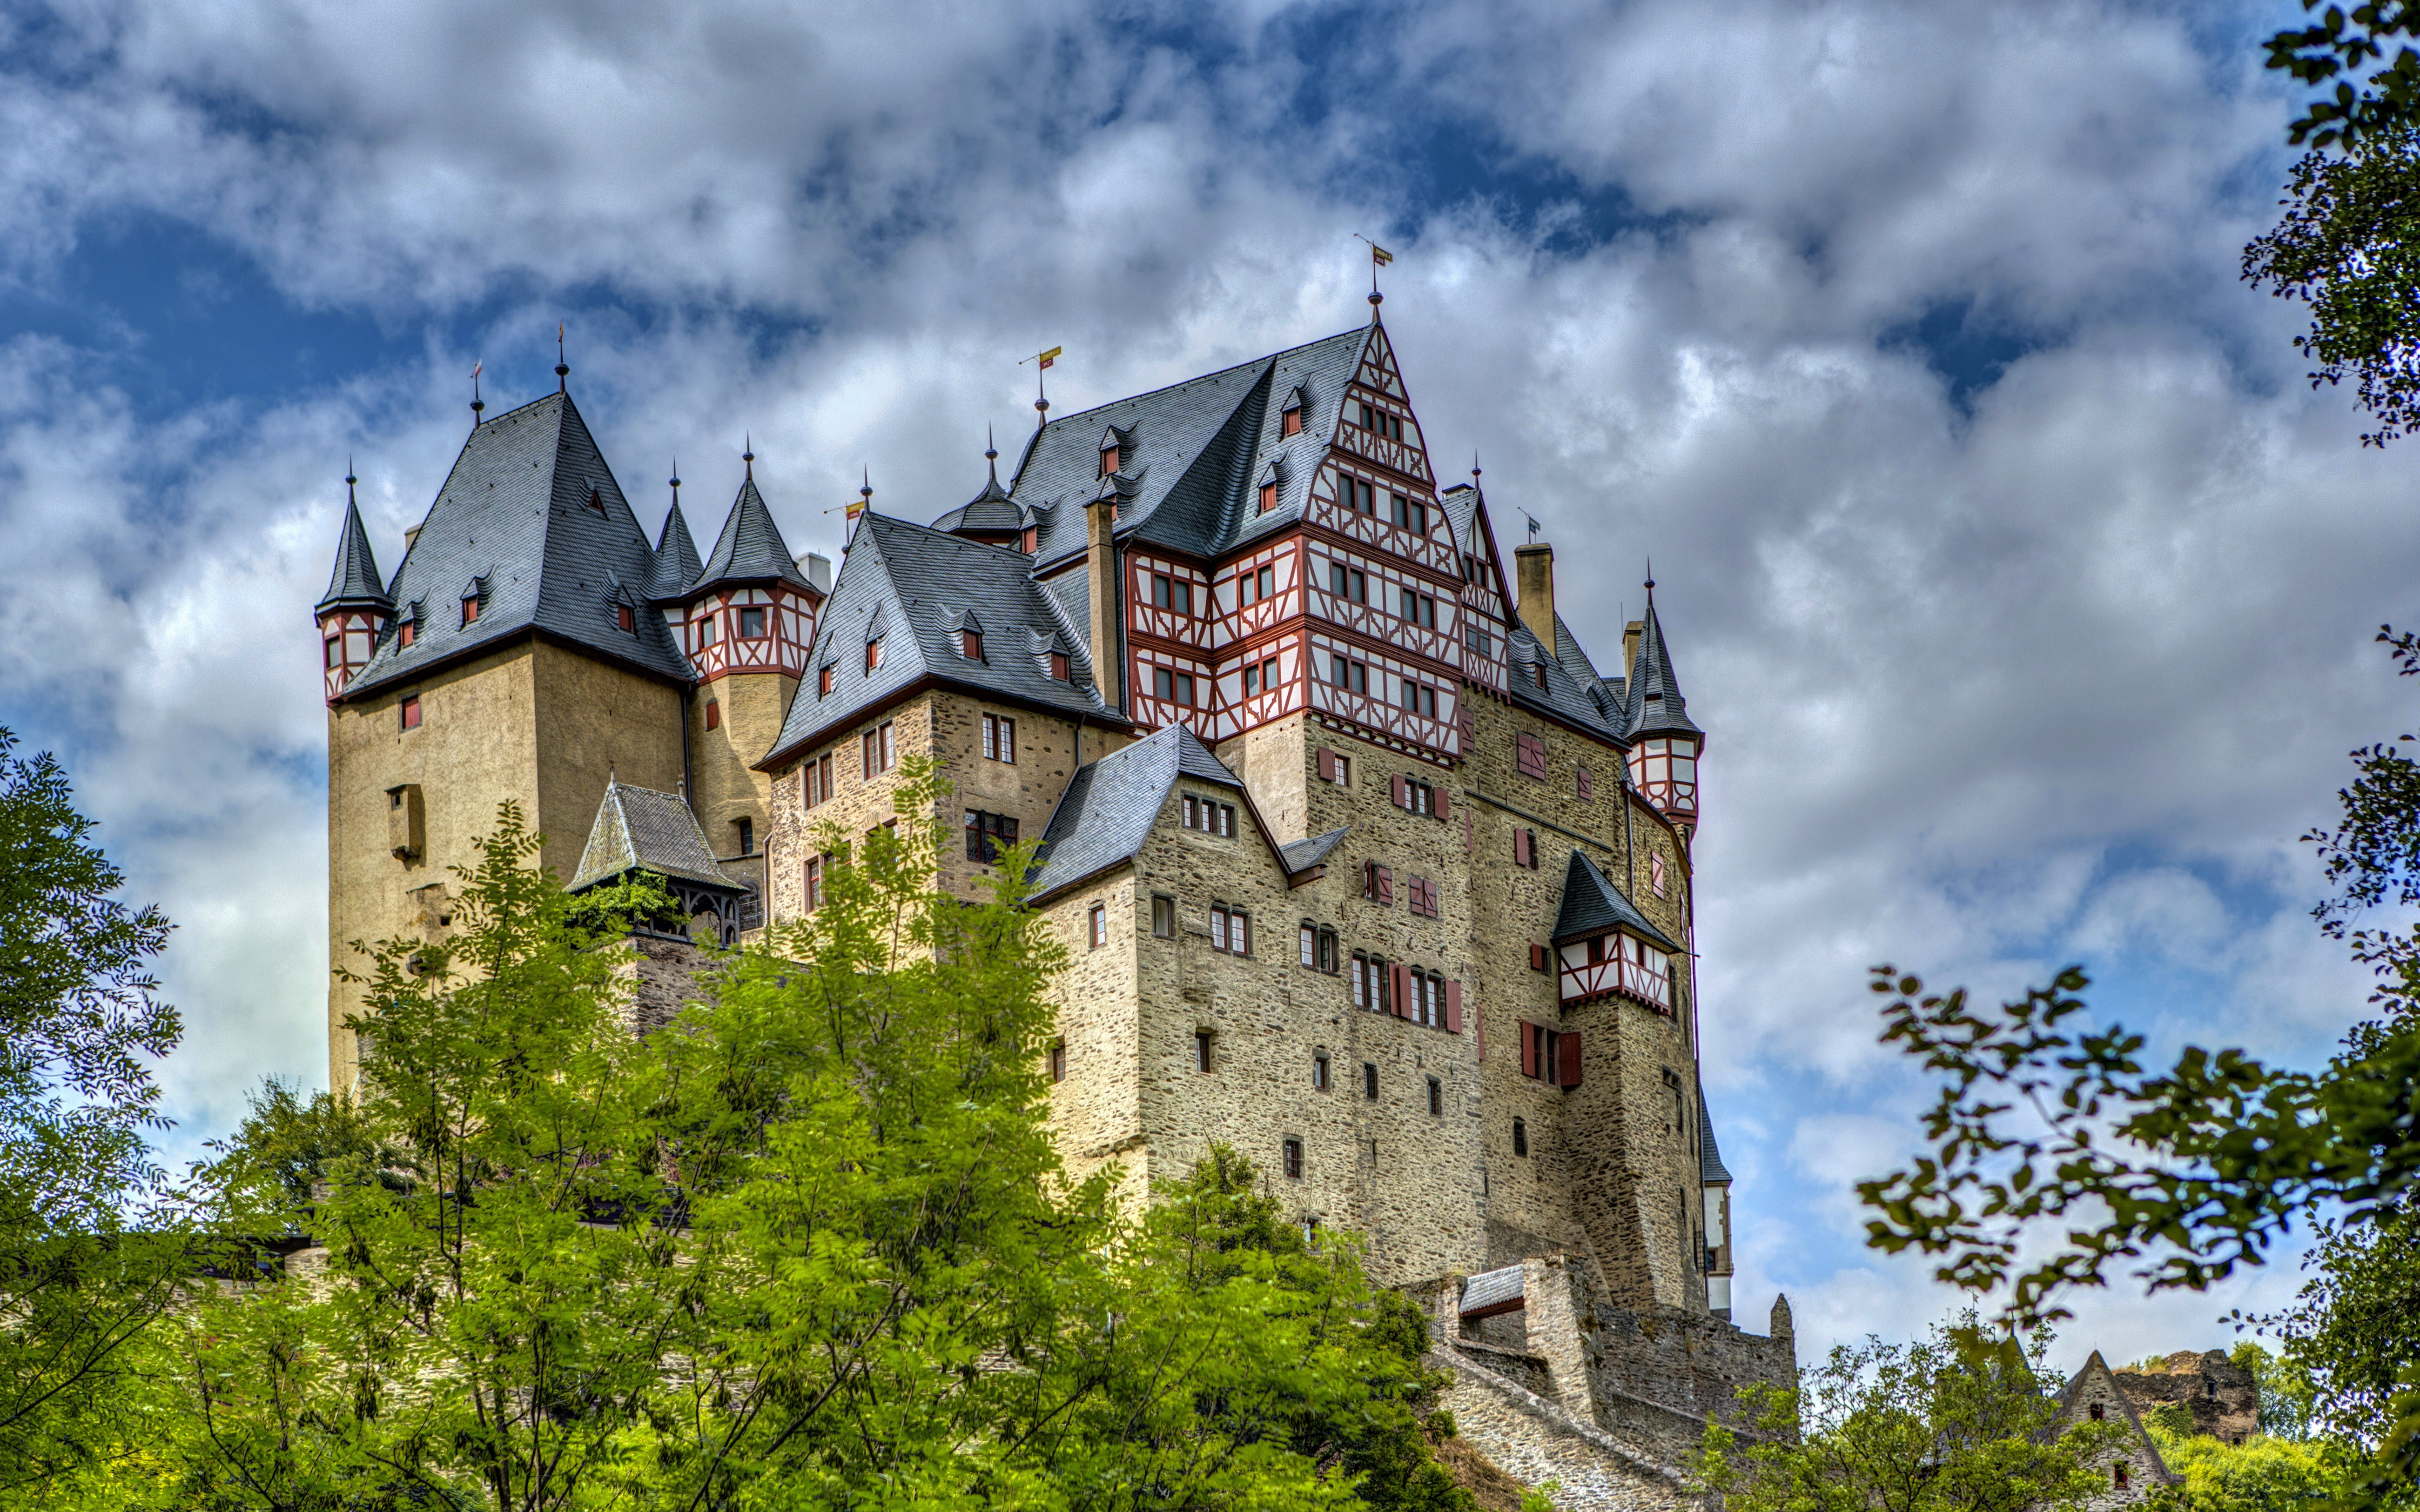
(1042, 362)
(1379, 257)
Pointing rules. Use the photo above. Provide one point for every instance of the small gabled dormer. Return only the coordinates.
(1270, 484)
(1605, 948)
(474, 599)
(1294, 412)
(970, 634)
(1117, 451)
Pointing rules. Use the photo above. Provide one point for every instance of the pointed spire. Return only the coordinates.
(562, 368)
(477, 404)
(1474, 467)
(991, 456)
(676, 563)
(750, 548)
(355, 582)
(748, 455)
(1657, 706)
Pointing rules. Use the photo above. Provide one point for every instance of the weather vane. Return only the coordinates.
(1041, 400)
(1379, 257)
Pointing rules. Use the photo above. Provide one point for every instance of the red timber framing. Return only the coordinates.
(1617, 965)
(346, 641)
(713, 631)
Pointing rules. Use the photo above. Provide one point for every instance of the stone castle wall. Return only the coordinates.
(2221, 1395)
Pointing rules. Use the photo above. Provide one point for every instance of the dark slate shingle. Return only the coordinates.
(1302, 855)
(1710, 1160)
(1108, 809)
(641, 830)
(1592, 904)
(1564, 696)
(750, 548)
(514, 515)
(676, 560)
(355, 582)
(1655, 704)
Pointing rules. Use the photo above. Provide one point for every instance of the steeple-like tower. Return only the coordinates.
(1663, 742)
(746, 618)
(356, 606)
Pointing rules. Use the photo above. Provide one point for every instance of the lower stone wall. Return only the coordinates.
(1536, 1441)
(1667, 1370)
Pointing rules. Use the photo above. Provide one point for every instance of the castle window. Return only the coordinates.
(1356, 496)
(751, 623)
(1424, 898)
(1584, 787)
(335, 653)
(1348, 584)
(874, 653)
(1420, 609)
(1058, 1060)
(1252, 679)
(1411, 514)
(1525, 848)
(1172, 593)
(1550, 1056)
(1208, 817)
(1294, 1160)
(1538, 673)
(412, 711)
(1290, 423)
(747, 828)
(1541, 958)
(1096, 926)
(2096, 1411)
(820, 781)
(989, 834)
(1370, 1092)
(1163, 916)
(813, 884)
(708, 630)
(876, 749)
(1110, 456)
(1378, 884)
(1202, 1051)
(824, 681)
(1319, 1073)
(626, 618)
(1352, 677)
(1059, 671)
(1419, 698)
(471, 609)
(1000, 738)
(1031, 540)
(1269, 497)
(1230, 930)
(2117, 1476)
(408, 634)
(1530, 756)
(1437, 1097)
(970, 645)
(1335, 767)
(1520, 1138)
(1309, 942)
(1176, 688)
(713, 714)
(1476, 638)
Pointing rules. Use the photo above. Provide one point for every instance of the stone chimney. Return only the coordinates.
(1101, 572)
(1630, 637)
(1535, 563)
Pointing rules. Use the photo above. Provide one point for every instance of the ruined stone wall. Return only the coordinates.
(2221, 1395)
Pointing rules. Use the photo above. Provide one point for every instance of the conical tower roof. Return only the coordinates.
(750, 548)
(676, 563)
(355, 582)
(1657, 706)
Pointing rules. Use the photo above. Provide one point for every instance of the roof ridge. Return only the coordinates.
(1198, 377)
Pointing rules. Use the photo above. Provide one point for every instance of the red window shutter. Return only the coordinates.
(1528, 1048)
(1444, 805)
(1402, 790)
(1327, 765)
(1403, 977)
(1567, 1053)
(1537, 958)
(1520, 847)
(1454, 1008)
(1386, 885)
(1587, 786)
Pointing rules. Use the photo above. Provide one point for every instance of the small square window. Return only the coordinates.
(412, 711)
(751, 623)
(1163, 918)
(1059, 671)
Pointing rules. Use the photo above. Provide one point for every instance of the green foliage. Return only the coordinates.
(2288, 1390)
(1961, 1419)
(1541, 1498)
(2263, 1474)
(807, 1245)
(2373, 93)
(90, 1242)
(2202, 1164)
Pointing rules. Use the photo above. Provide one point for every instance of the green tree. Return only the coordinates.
(2288, 1392)
(2264, 1473)
(1961, 1420)
(2190, 1171)
(89, 1238)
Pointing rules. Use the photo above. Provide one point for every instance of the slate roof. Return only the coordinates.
(1108, 809)
(1192, 454)
(513, 522)
(676, 561)
(1592, 904)
(641, 830)
(1564, 696)
(909, 582)
(750, 548)
(1710, 1160)
(992, 510)
(355, 582)
(1302, 855)
(1655, 704)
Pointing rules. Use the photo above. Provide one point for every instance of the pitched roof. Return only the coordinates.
(1592, 905)
(639, 829)
(1709, 1159)
(355, 582)
(676, 561)
(513, 523)
(1655, 704)
(992, 510)
(2096, 1366)
(1302, 855)
(1564, 696)
(1191, 453)
(750, 548)
(1109, 809)
(908, 582)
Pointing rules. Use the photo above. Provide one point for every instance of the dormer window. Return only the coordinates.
(1059, 671)
(595, 501)
(970, 645)
(1110, 457)
(874, 653)
(1031, 541)
(1290, 423)
(824, 681)
(1269, 497)
(406, 634)
(470, 608)
(627, 618)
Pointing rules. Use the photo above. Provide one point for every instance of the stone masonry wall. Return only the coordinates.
(2221, 1395)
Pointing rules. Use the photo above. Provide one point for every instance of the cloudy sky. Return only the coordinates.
(2024, 586)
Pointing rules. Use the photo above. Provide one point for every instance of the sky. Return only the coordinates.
(2024, 586)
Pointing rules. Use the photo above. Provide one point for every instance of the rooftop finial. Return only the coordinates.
(675, 483)
(1040, 399)
(477, 404)
(1379, 257)
(747, 453)
(562, 368)
(1474, 467)
(866, 487)
(991, 456)
(1651, 580)
(350, 480)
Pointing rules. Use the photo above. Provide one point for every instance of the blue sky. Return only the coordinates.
(2024, 585)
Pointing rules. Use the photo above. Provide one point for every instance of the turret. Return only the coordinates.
(1663, 742)
(356, 606)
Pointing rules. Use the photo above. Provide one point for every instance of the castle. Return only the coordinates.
(1364, 867)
